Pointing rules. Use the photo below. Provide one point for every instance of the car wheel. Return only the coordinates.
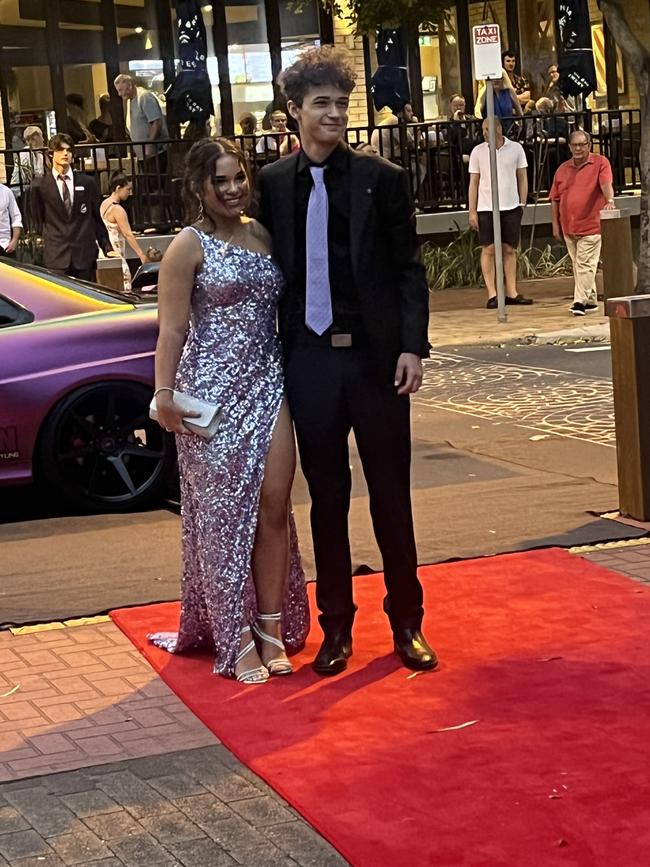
(100, 450)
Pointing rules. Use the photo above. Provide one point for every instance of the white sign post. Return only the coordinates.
(486, 41)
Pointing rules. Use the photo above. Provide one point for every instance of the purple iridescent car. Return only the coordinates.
(76, 375)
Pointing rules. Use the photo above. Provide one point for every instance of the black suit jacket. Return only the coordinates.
(69, 242)
(384, 250)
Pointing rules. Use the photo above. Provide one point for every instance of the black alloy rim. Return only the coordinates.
(107, 447)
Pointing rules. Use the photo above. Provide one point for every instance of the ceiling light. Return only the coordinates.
(139, 29)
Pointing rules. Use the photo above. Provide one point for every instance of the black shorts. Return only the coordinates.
(510, 227)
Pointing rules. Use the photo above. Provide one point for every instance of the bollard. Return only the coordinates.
(616, 253)
(629, 320)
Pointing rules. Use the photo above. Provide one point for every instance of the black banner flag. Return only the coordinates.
(575, 54)
(190, 95)
(390, 82)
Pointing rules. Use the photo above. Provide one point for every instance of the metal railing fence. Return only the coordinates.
(435, 154)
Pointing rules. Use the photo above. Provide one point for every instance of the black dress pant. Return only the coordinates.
(332, 391)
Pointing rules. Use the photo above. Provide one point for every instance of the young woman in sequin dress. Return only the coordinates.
(243, 589)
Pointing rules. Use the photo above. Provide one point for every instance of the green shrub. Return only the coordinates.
(533, 262)
(454, 265)
(458, 264)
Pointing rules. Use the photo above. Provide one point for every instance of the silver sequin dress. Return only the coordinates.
(232, 358)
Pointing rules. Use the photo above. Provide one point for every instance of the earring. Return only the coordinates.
(199, 218)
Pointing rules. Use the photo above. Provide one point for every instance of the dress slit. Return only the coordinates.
(231, 358)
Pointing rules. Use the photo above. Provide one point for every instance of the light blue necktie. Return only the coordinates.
(318, 301)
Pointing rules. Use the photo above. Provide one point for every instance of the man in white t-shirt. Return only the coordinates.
(513, 191)
(11, 223)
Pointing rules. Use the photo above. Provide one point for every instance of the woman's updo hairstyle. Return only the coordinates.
(200, 165)
(118, 180)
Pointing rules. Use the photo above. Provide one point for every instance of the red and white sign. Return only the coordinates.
(486, 42)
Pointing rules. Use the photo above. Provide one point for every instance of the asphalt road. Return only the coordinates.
(28, 503)
(513, 448)
(587, 359)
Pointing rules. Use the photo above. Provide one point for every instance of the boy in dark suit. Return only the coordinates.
(65, 208)
(353, 322)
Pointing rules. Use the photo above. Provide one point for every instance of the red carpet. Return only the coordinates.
(547, 651)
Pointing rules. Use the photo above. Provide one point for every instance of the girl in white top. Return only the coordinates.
(117, 223)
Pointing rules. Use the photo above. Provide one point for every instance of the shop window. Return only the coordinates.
(299, 30)
(537, 36)
(24, 75)
(139, 47)
(440, 64)
(84, 72)
(84, 83)
(637, 14)
(249, 59)
(537, 33)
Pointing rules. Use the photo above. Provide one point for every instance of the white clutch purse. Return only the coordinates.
(204, 425)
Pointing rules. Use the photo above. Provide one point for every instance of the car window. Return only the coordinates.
(13, 314)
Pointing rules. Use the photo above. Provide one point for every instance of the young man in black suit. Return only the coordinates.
(353, 322)
(65, 207)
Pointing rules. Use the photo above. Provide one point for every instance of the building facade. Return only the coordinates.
(52, 48)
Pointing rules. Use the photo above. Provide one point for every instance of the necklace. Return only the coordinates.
(227, 243)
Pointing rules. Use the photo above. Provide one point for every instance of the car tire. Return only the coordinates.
(100, 451)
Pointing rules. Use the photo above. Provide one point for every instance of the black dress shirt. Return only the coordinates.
(346, 309)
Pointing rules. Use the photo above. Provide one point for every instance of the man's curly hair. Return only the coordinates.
(318, 67)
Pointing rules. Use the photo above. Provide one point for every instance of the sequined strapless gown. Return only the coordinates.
(231, 358)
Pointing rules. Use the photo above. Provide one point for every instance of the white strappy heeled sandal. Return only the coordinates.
(259, 674)
(280, 665)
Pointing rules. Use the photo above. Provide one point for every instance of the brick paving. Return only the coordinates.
(71, 698)
(630, 560)
(195, 808)
(459, 317)
(101, 764)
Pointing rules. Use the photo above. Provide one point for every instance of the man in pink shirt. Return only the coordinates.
(582, 188)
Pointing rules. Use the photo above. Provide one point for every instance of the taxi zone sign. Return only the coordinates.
(487, 51)
(486, 34)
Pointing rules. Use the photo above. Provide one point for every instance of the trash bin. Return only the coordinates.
(616, 254)
(629, 321)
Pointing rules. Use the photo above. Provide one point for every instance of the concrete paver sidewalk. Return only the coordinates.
(459, 317)
(76, 697)
(632, 560)
(197, 808)
(102, 764)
